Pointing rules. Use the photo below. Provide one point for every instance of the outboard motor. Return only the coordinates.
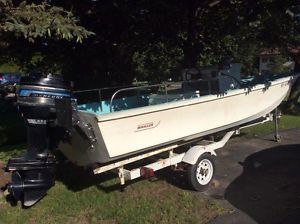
(45, 104)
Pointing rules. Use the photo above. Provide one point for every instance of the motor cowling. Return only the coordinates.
(45, 104)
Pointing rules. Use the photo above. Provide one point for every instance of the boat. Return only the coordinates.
(120, 127)
(126, 125)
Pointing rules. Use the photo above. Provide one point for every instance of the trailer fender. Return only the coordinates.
(192, 155)
(196, 151)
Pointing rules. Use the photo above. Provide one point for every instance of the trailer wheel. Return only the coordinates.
(202, 172)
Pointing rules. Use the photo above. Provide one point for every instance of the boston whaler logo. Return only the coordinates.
(146, 126)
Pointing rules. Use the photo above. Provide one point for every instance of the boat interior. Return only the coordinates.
(108, 100)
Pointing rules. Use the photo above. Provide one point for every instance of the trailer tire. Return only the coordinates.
(202, 172)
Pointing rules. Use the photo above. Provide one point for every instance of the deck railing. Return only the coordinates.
(164, 89)
(138, 88)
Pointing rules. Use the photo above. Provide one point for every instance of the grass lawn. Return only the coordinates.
(80, 197)
(145, 201)
(286, 122)
(9, 67)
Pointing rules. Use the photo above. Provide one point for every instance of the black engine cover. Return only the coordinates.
(45, 104)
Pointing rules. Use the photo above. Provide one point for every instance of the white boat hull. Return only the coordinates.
(123, 133)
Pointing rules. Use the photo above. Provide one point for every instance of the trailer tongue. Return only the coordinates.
(40, 99)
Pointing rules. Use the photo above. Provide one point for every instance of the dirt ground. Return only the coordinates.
(4, 177)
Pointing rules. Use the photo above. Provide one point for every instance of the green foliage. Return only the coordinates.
(9, 67)
(276, 64)
(40, 21)
(157, 63)
(149, 40)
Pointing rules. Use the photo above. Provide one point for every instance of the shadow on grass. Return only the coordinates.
(268, 188)
(77, 178)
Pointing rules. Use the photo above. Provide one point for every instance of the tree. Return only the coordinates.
(31, 34)
(144, 39)
(42, 20)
